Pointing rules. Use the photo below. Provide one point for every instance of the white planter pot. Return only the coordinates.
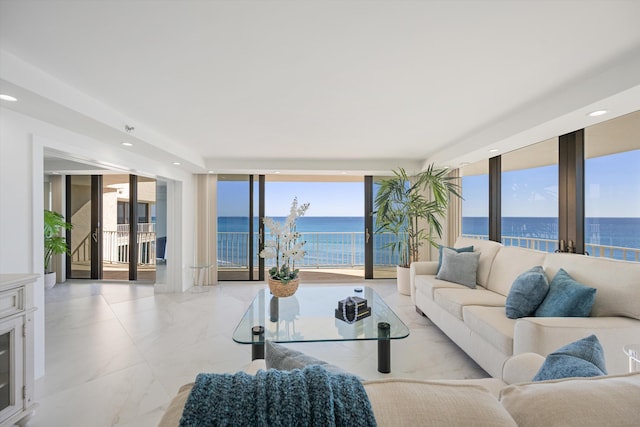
(404, 282)
(49, 280)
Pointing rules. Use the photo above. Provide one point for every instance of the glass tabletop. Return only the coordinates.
(309, 315)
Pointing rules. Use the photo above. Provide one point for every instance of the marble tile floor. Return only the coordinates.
(116, 353)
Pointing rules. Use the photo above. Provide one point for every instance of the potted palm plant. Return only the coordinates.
(412, 208)
(54, 243)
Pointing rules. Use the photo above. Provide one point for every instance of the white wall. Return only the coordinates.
(16, 199)
(161, 210)
(22, 141)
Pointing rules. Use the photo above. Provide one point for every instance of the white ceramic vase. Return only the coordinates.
(404, 281)
(49, 280)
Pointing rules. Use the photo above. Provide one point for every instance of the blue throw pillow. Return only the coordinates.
(459, 267)
(567, 298)
(582, 358)
(440, 247)
(526, 293)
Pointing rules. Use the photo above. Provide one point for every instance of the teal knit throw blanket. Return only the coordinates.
(303, 397)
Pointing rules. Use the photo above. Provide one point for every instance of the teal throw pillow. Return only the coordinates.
(567, 298)
(459, 268)
(440, 248)
(526, 293)
(582, 358)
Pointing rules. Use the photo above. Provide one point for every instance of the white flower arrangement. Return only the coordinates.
(286, 246)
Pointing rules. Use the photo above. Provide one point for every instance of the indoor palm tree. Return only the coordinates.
(412, 207)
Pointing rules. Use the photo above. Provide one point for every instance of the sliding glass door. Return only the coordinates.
(113, 235)
(84, 210)
(339, 232)
(240, 227)
(380, 260)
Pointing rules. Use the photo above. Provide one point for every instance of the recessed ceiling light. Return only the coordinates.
(127, 144)
(493, 150)
(176, 163)
(464, 164)
(597, 113)
(211, 172)
(277, 172)
(8, 98)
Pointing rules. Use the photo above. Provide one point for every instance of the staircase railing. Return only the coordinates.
(115, 248)
(83, 251)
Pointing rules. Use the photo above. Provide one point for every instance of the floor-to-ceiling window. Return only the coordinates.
(612, 188)
(333, 227)
(146, 232)
(237, 237)
(384, 259)
(475, 199)
(116, 218)
(578, 192)
(114, 233)
(530, 196)
(84, 235)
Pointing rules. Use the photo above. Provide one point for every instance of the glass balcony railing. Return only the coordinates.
(547, 245)
(323, 250)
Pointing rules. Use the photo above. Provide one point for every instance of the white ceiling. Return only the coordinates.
(320, 86)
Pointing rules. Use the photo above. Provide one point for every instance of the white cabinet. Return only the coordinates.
(16, 348)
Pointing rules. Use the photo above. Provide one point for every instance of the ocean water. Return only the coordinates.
(305, 223)
(331, 242)
(339, 241)
(621, 232)
(609, 232)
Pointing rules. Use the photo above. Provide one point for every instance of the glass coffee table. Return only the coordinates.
(309, 316)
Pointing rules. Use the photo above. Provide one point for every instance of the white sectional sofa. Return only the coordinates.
(476, 321)
(581, 402)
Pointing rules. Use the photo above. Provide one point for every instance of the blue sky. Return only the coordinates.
(326, 199)
(612, 190)
(613, 185)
